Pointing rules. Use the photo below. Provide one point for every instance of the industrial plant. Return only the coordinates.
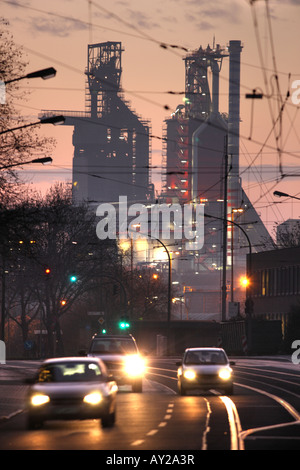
(200, 156)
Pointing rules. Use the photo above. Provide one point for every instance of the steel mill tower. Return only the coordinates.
(112, 151)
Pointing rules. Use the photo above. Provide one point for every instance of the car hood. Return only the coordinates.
(206, 369)
(70, 389)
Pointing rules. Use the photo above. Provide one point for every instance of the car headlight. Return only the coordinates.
(189, 374)
(93, 398)
(224, 374)
(134, 366)
(39, 399)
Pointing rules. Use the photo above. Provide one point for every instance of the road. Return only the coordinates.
(263, 414)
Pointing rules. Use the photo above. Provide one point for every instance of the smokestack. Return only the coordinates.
(234, 49)
(215, 86)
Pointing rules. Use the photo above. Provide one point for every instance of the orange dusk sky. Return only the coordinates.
(57, 33)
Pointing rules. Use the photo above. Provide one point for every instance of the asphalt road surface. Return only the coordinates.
(263, 414)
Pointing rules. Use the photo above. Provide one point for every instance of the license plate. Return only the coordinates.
(66, 410)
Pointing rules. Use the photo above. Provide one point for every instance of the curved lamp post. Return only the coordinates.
(50, 72)
(56, 120)
(280, 194)
(43, 160)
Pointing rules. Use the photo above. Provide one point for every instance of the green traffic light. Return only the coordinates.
(73, 278)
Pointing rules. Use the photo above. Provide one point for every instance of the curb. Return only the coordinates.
(12, 415)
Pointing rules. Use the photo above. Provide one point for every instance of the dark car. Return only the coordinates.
(122, 358)
(71, 388)
(205, 369)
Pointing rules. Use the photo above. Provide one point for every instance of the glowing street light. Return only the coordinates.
(244, 281)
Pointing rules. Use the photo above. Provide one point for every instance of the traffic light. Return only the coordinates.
(73, 278)
(124, 323)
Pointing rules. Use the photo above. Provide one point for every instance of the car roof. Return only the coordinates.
(205, 349)
(113, 336)
(71, 359)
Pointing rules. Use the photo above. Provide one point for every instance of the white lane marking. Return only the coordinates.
(246, 434)
(237, 442)
(138, 442)
(288, 407)
(152, 432)
(162, 424)
(207, 428)
(279, 400)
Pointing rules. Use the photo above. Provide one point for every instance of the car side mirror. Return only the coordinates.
(179, 363)
(232, 363)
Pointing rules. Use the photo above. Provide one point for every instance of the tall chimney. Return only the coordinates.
(234, 49)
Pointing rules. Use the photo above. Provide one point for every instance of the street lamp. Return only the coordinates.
(50, 72)
(249, 243)
(280, 194)
(234, 211)
(169, 281)
(43, 160)
(55, 120)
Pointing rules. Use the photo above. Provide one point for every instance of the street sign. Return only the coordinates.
(101, 320)
(234, 309)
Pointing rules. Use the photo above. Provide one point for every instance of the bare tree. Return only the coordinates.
(22, 145)
(60, 260)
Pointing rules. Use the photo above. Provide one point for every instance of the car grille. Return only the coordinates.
(208, 378)
(66, 401)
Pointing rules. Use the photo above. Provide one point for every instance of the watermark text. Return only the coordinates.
(156, 221)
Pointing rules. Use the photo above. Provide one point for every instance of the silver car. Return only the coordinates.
(122, 358)
(205, 369)
(71, 388)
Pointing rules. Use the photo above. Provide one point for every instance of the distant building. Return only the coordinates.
(275, 283)
(197, 138)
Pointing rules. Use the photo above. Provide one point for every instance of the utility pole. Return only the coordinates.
(224, 286)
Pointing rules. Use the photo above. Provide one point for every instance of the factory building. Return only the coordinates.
(112, 147)
(112, 158)
(201, 158)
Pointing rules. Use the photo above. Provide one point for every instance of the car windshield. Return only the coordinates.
(205, 357)
(113, 346)
(70, 372)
